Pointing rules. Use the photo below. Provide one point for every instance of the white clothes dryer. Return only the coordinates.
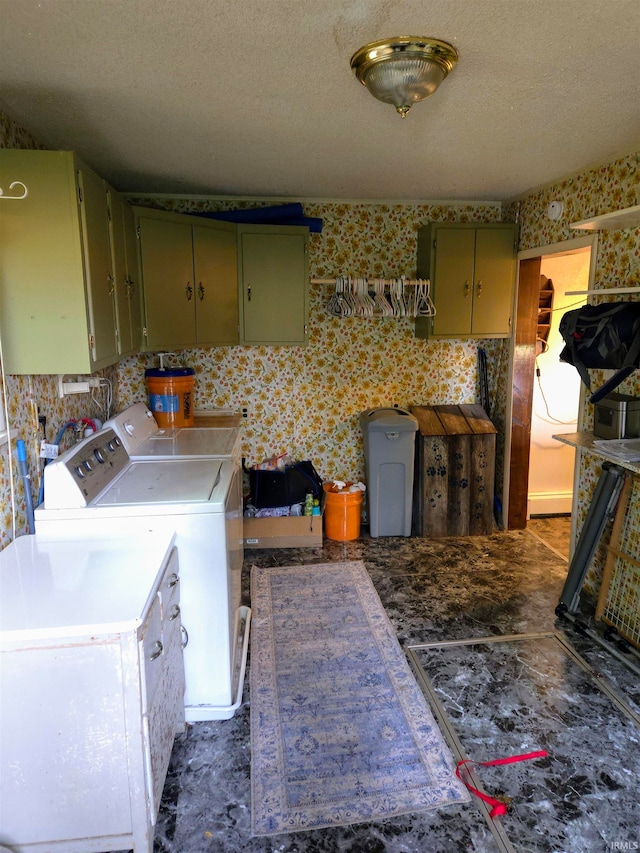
(137, 429)
(95, 489)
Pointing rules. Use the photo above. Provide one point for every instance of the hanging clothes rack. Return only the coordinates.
(13, 185)
(356, 296)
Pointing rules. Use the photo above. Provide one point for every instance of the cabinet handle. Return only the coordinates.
(189, 292)
(158, 651)
(174, 580)
(185, 637)
(248, 293)
(112, 284)
(479, 288)
(200, 291)
(467, 290)
(175, 612)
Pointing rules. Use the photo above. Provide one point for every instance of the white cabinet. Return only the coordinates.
(56, 287)
(92, 683)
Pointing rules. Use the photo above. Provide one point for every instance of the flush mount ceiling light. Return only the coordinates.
(403, 70)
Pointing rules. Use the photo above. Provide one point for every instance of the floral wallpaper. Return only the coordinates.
(599, 190)
(306, 400)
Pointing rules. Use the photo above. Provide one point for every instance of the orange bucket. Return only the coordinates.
(341, 513)
(171, 396)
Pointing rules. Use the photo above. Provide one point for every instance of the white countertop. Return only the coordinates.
(73, 587)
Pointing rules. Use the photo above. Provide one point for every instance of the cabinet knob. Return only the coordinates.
(479, 288)
(201, 291)
(174, 613)
(248, 293)
(189, 292)
(185, 637)
(173, 580)
(467, 290)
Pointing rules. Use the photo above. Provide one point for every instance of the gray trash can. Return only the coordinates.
(389, 444)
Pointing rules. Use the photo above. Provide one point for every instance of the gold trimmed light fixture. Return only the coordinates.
(403, 70)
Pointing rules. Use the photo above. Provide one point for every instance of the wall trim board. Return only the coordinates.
(565, 247)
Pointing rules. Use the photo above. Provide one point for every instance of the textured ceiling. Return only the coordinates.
(256, 97)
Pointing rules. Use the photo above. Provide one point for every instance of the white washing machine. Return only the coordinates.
(95, 489)
(136, 427)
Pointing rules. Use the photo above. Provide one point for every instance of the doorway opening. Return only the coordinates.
(540, 406)
(556, 387)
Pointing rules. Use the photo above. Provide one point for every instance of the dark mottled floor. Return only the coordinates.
(500, 697)
(555, 530)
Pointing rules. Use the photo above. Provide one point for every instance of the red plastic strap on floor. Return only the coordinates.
(499, 807)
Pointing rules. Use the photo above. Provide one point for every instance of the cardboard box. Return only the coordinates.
(289, 531)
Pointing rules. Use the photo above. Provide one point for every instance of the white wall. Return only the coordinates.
(551, 463)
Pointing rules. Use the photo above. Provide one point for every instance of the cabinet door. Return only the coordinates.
(48, 255)
(63, 740)
(166, 254)
(452, 281)
(98, 273)
(494, 277)
(216, 283)
(134, 291)
(119, 271)
(125, 274)
(274, 279)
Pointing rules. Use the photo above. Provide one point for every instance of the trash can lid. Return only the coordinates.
(385, 419)
(164, 373)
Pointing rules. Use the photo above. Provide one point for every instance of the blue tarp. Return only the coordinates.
(281, 214)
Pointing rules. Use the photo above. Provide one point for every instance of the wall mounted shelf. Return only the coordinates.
(628, 217)
(604, 291)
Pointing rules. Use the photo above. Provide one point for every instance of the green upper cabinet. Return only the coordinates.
(472, 269)
(215, 264)
(56, 282)
(273, 275)
(124, 257)
(188, 270)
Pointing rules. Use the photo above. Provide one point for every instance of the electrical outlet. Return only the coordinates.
(80, 386)
(245, 412)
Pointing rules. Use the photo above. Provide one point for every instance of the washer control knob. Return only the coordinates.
(99, 454)
(88, 464)
(79, 471)
(129, 428)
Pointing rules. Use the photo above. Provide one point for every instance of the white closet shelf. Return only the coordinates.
(628, 217)
(603, 291)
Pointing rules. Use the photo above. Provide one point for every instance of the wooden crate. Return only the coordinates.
(454, 471)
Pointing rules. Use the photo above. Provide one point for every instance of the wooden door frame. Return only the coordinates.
(522, 349)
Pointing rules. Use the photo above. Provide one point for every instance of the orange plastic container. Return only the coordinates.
(171, 396)
(341, 513)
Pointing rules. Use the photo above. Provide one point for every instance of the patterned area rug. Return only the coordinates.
(340, 731)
